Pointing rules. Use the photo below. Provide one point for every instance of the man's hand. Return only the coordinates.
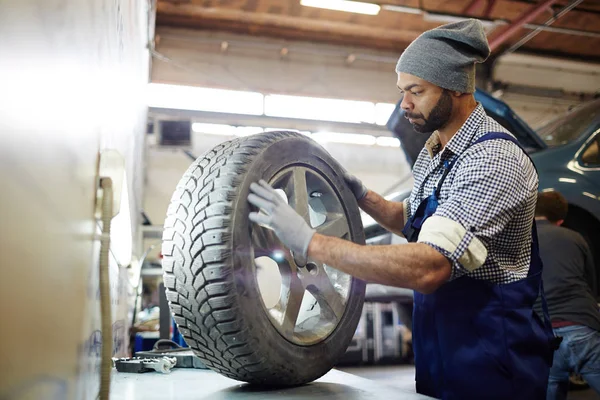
(356, 186)
(288, 225)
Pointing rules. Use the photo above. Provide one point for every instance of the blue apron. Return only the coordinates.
(475, 339)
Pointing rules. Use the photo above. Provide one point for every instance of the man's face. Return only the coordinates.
(426, 106)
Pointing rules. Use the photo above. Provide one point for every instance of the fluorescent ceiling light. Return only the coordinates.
(388, 141)
(403, 9)
(320, 137)
(214, 129)
(344, 5)
(322, 109)
(305, 133)
(383, 112)
(204, 99)
(350, 138)
(280, 129)
(252, 103)
(225, 130)
(248, 130)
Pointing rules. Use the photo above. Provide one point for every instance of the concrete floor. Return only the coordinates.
(403, 377)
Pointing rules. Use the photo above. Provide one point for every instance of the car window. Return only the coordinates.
(591, 155)
(570, 126)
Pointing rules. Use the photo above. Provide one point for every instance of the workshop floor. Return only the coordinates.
(403, 376)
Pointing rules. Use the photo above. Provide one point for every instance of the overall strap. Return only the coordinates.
(497, 135)
(487, 136)
(505, 136)
(536, 265)
(447, 166)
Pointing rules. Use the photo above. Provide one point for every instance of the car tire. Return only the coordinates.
(210, 263)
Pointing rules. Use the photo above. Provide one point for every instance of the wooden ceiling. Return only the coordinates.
(576, 35)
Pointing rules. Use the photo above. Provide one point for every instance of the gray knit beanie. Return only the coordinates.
(446, 55)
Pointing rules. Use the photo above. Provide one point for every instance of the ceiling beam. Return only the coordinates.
(489, 8)
(587, 8)
(472, 7)
(199, 16)
(550, 21)
(525, 18)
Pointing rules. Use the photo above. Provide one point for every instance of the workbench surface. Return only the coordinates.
(184, 383)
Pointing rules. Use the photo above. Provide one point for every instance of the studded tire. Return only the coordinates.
(209, 270)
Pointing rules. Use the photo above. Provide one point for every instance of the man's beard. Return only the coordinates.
(439, 116)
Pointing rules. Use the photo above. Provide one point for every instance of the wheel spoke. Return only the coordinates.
(335, 226)
(299, 196)
(295, 317)
(331, 303)
(294, 301)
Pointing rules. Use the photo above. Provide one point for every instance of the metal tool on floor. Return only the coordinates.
(167, 348)
(140, 365)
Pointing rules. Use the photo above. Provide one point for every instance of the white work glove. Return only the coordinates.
(288, 225)
(356, 186)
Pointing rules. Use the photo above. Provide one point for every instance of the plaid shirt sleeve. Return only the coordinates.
(487, 191)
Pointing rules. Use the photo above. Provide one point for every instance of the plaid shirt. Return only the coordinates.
(486, 204)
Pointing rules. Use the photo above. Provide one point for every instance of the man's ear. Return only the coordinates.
(457, 94)
(559, 222)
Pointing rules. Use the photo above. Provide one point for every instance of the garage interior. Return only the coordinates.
(110, 106)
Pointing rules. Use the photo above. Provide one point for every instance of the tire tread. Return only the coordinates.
(197, 264)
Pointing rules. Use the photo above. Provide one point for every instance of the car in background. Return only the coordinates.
(570, 164)
(565, 151)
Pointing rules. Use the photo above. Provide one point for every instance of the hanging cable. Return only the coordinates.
(546, 24)
(105, 310)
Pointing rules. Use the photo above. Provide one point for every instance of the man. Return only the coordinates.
(570, 287)
(469, 220)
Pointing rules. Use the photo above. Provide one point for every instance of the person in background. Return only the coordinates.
(570, 288)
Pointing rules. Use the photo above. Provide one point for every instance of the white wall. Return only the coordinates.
(72, 74)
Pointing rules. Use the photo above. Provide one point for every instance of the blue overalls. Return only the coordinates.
(475, 339)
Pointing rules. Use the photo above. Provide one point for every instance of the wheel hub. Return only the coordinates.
(304, 301)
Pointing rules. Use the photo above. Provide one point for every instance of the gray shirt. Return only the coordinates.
(569, 275)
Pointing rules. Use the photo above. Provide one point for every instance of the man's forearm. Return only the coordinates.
(415, 265)
(388, 214)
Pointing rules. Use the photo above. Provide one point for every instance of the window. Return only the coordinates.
(591, 155)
